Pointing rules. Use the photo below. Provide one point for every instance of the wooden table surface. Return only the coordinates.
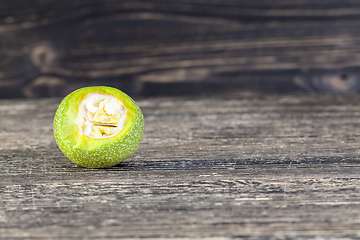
(271, 167)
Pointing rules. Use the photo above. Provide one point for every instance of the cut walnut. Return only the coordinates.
(100, 130)
(101, 115)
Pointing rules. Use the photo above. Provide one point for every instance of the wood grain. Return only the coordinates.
(274, 167)
(49, 48)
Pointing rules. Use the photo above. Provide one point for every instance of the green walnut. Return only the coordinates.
(98, 127)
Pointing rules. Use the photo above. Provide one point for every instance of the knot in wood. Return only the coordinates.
(340, 83)
(43, 55)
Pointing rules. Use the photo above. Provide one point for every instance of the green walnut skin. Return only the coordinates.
(97, 153)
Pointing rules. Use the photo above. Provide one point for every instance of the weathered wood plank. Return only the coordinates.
(280, 167)
(49, 48)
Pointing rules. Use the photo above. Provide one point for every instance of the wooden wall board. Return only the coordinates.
(157, 47)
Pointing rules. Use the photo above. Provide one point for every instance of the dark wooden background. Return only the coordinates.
(187, 47)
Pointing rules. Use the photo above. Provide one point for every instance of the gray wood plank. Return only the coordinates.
(280, 167)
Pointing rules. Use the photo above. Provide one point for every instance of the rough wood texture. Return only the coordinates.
(256, 168)
(49, 47)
